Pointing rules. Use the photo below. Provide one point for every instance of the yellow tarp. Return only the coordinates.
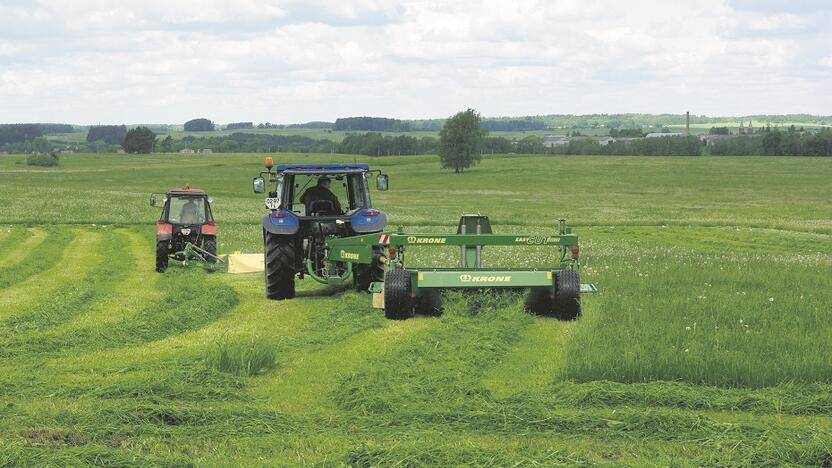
(245, 263)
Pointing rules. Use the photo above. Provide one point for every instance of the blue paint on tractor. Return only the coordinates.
(323, 167)
(281, 222)
(368, 220)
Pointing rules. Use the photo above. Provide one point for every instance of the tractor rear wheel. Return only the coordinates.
(161, 255)
(363, 275)
(568, 295)
(279, 257)
(210, 246)
(398, 304)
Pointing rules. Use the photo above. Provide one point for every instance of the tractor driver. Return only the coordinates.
(320, 192)
(189, 213)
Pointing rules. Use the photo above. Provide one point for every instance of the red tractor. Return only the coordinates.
(186, 228)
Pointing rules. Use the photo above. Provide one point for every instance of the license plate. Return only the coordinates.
(186, 232)
(272, 203)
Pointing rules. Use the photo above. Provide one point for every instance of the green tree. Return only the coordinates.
(199, 125)
(461, 141)
(166, 145)
(139, 140)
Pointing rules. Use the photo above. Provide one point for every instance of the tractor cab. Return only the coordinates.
(336, 197)
(186, 222)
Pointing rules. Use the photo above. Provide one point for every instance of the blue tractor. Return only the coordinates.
(307, 205)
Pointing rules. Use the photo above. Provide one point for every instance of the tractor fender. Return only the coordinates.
(209, 229)
(164, 231)
(287, 225)
(368, 220)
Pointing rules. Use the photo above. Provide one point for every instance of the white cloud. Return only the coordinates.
(290, 60)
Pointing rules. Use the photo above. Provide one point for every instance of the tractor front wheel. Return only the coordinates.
(279, 257)
(398, 303)
(568, 295)
(161, 255)
(210, 246)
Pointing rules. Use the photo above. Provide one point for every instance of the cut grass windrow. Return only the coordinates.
(73, 298)
(41, 258)
(443, 366)
(191, 301)
(16, 243)
(137, 261)
(789, 398)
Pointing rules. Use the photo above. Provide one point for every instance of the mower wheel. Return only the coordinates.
(363, 275)
(280, 266)
(539, 300)
(568, 295)
(210, 246)
(398, 304)
(161, 256)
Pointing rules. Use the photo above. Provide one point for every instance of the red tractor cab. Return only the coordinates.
(186, 227)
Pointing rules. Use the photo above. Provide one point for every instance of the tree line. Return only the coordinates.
(772, 141)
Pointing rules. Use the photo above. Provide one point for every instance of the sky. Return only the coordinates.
(290, 61)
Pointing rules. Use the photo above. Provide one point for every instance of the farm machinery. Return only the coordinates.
(186, 229)
(304, 237)
(305, 212)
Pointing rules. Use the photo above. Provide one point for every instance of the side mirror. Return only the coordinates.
(153, 199)
(259, 185)
(382, 182)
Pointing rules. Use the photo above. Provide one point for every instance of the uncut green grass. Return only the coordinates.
(106, 362)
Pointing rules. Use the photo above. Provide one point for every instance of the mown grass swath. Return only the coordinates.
(707, 345)
(44, 256)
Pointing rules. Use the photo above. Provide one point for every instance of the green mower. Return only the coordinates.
(555, 291)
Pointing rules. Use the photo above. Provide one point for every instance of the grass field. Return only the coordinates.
(709, 343)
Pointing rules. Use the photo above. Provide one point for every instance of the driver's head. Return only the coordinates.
(324, 182)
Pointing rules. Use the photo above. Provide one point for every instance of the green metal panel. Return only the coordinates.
(483, 239)
(351, 253)
(483, 278)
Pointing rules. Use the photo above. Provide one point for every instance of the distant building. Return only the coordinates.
(206, 150)
(550, 141)
(4, 152)
(710, 139)
(660, 134)
(186, 151)
(742, 130)
(120, 151)
(66, 151)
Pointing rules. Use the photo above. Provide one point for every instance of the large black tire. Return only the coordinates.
(161, 255)
(279, 259)
(541, 300)
(210, 246)
(398, 304)
(568, 295)
(363, 275)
